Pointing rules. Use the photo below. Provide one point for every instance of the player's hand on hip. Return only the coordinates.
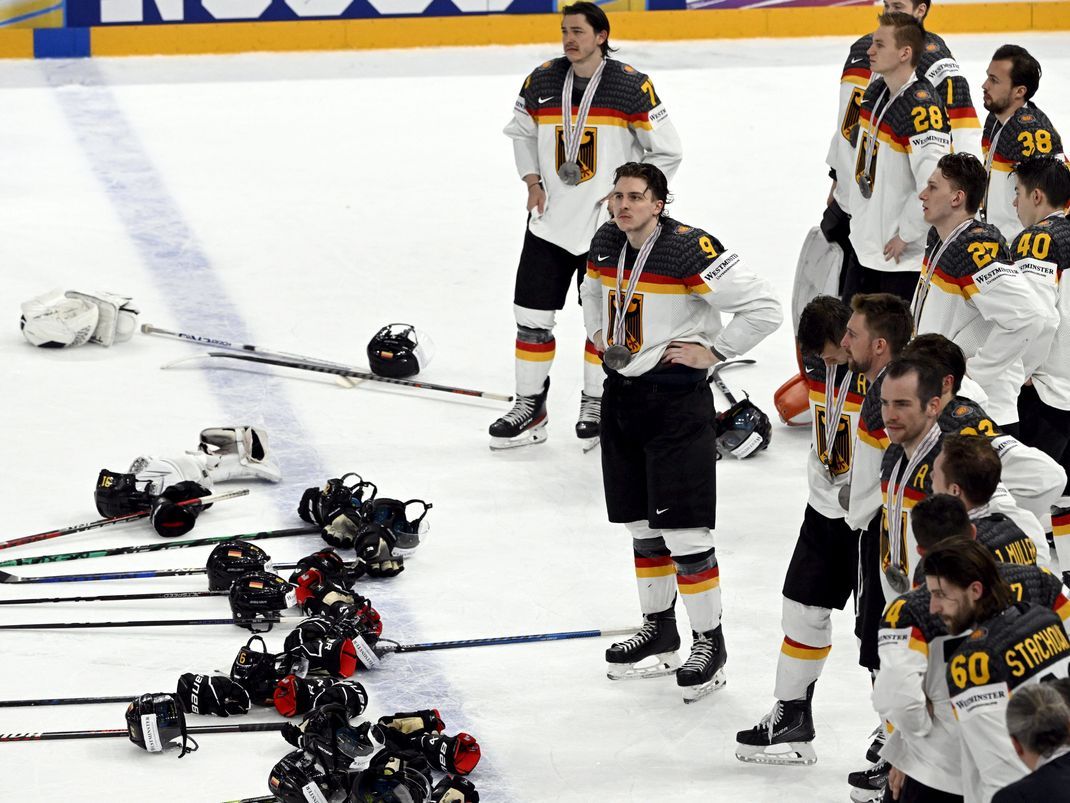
(693, 355)
(536, 198)
(895, 782)
(893, 249)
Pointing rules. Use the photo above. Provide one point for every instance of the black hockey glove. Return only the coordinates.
(457, 754)
(169, 518)
(373, 547)
(213, 695)
(118, 495)
(454, 789)
(259, 671)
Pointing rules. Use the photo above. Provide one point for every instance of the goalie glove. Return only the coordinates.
(374, 544)
(160, 473)
(235, 453)
(454, 789)
(169, 518)
(116, 316)
(53, 321)
(211, 695)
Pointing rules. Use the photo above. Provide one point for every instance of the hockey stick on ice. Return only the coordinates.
(116, 597)
(92, 525)
(131, 550)
(125, 698)
(116, 732)
(348, 372)
(251, 624)
(6, 577)
(383, 646)
(716, 376)
(202, 340)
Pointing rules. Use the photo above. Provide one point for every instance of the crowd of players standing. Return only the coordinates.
(938, 386)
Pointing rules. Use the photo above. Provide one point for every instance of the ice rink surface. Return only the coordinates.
(300, 202)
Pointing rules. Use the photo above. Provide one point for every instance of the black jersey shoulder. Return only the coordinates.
(607, 241)
(1008, 542)
(545, 83)
(1019, 139)
(623, 88)
(964, 416)
(858, 55)
(911, 113)
(1032, 584)
(1053, 245)
(935, 50)
(869, 417)
(914, 613)
(973, 250)
(683, 251)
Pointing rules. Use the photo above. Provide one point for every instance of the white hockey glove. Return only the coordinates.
(53, 321)
(163, 472)
(117, 317)
(237, 453)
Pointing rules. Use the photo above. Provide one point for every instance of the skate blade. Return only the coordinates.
(695, 693)
(529, 437)
(867, 795)
(667, 663)
(589, 443)
(787, 754)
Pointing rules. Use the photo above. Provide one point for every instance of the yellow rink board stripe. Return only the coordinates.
(379, 33)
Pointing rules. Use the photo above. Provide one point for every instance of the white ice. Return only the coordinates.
(299, 202)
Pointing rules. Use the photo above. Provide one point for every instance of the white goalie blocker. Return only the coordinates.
(816, 274)
(61, 320)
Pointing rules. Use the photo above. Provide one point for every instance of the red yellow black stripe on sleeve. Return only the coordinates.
(598, 115)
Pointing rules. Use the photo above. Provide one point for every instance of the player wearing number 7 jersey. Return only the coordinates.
(971, 292)
(1012, 644)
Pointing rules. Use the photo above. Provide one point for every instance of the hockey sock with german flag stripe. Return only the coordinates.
(807, 643)
(699, 582)
(593, 375)
(535, 350)
(654, 573)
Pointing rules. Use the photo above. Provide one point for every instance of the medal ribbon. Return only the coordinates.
(633, 283)
(571, 132)
(875, 127)
(933, 259)
(988, 169)
(979, 512)
(833, 409)
(895, 499)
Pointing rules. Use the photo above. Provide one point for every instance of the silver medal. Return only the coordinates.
(865, 187)
(569, 173)
(897, 579)
(616, 357)
(844, 497)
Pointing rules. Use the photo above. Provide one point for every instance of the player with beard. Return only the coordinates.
(1014, 130)
(1012, 644)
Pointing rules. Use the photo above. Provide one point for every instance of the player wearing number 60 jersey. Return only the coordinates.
(1012, 644)
(911, 689)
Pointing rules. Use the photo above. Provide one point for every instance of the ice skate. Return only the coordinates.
(703, 671)
(524, 425)
(879, 736)
(589, 424)
(658, 638)
(867, 786)
(783, 736)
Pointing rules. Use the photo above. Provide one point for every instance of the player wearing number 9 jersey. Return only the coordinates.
(971, 292)
(1012, 644)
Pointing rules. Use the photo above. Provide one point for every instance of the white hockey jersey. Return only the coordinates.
(828, 465)
(627, 122)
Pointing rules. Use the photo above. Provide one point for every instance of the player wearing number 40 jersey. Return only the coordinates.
(652, 300)
(1014, 130)
(577, 118)
(1042, 253)
(1012, 644)
(823, 567)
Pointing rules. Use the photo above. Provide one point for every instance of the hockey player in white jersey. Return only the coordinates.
(578, 117)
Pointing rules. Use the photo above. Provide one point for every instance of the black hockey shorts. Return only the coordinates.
(870, 595)
(824, 568)
(1045, 427)
(545, 273)
(659, 453)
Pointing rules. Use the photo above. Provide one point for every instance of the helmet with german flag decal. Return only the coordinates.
(230, 560)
